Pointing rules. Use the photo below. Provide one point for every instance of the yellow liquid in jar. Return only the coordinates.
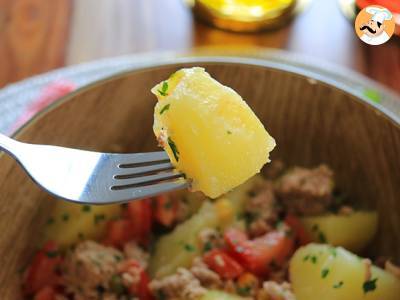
(247, 10)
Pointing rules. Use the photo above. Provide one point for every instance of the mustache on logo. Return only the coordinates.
(368, 28)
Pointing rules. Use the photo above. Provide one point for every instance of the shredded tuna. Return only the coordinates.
(274, 169)
(274, 291)
(210, 238)
(262, 211)
(206, 276)
(181, 285)
(306, 191)
(88, 269)
(133, 251)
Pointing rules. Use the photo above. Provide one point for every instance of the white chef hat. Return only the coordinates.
(379, 14)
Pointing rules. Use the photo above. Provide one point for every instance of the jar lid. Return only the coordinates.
(244, 16)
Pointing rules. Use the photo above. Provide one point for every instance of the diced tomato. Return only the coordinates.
(43, 270)
(139, 289)
(118, 233)
(140, 215)
(257, 255)
(46, 293)
(393, 6)
(165, 210)
(301, 235)
(226, 266)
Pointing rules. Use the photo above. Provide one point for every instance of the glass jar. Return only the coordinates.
(244, 15)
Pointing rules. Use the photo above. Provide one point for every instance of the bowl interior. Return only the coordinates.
(312, 122)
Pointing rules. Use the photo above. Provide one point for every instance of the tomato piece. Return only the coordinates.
(43, 270)
(46, 293)
(257, 255)
(300, 233)
(118, 233)
(139, 213)
(393, 6)
(139, 289)
(165, 210)
(223, 264)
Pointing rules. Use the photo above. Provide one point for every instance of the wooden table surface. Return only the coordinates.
(40, 35)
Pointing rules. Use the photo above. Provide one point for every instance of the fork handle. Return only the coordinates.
(8, 144)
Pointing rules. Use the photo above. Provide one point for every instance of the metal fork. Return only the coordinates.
(93, 177)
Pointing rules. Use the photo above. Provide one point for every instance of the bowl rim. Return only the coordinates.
(298, 70)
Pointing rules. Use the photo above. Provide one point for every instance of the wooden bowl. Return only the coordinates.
(311, 120)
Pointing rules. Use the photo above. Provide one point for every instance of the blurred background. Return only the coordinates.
(40, 35)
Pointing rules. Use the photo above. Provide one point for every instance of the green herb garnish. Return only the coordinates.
(324, 273)
(243, 290)
(174, 149)
(161, 295)
(65, 217)
(314, 259)
(322, 237)
(164, 89)
(118, 257)
(370, 285)
(50, 221)
(189, 247)
(338, 285)
(165, 108)
(86, 208)
(168, 204)
(116, 285)
(52, 254)
(229, 132)
(98, 218)
(307, 257)
(207, 246)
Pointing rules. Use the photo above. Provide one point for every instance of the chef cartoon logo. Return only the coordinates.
(375, 25)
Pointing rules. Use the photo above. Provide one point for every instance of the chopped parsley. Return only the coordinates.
(322, 237)
(168, 204)
(315, 227)
(189, 247)
(98, 218)
(52, 254)
(65, 217)
(174, 149)
(251, 193)
(307, 257)
(324, 273)
(50, 221)
(117, 258)
(165, 108)
(338, 285)
(207, 246)
(243, 290)
(229, 132)
(161, 295)
(164, 89)
(116, 285)
(314, 259)
(370, 285)
(86, 208)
